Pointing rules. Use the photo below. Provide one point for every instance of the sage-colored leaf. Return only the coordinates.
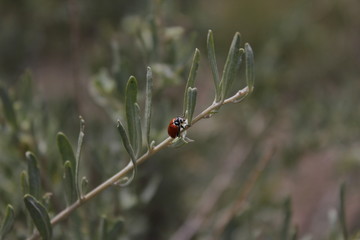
(24, 181)
(342, 217)
(137, 147)
(129, 149)
(132, 115)
(8, 108)
(78, 155)
(192, 76)
(34, 175)
(231, 67)
(249, 67)
(191, 103)
(84, 186)
(180, 141)
(7, 222)
(39, 215)
(69, 183)
(65, 149)
(148, 105)
(213, 64)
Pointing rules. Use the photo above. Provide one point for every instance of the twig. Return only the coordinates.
(122, 173)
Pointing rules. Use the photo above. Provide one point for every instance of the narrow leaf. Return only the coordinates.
(148, 103)
(34, 175)
(231, 67)
(138, 145)
(84, 185)
(192, 76)
(24, 180)
(8, 108)
(249, 67)
(213, 64)
(65, 149)
(132, 114)
(129, 149)
(39, 216)
(342, 213)
(191, 102)
(69, 183)
(78, 155)
(7, 221)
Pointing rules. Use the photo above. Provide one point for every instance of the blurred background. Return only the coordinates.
(280, 155)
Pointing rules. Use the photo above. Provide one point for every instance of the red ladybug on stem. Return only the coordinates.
(176, 125)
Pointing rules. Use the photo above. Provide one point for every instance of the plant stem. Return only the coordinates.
(122, 173)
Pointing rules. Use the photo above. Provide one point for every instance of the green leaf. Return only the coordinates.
(69, 183)
(34, 175)
(192, 76)
(148, 103)
(342, 217)
(191, 102)
(65, 149)
(129, 149)
(84, 185)
(213, 64)
(39, 216)
(78, 155)
(24, 180)
(133, 116)
(7, 221)
(249, 67)
(8, 108)
(231, 67)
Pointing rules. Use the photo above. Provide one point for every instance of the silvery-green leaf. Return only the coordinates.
(192, 76)
(65, 149)
(148, 103)
(34, 175)
(138, 139)
(24, 180)
(129, 149)
(78, 155)
(249, 67)
(132, 115)
(69, 183)
(231, 67)
(191, 103)
(7, 222)
(39, 215)
(213, 64)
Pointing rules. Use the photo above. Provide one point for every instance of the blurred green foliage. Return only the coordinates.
(304, 103)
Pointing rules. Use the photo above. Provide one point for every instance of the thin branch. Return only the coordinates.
(122, 173)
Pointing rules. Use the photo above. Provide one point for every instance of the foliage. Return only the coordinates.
(303, 106)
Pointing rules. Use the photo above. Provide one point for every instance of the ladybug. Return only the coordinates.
(176, 125)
